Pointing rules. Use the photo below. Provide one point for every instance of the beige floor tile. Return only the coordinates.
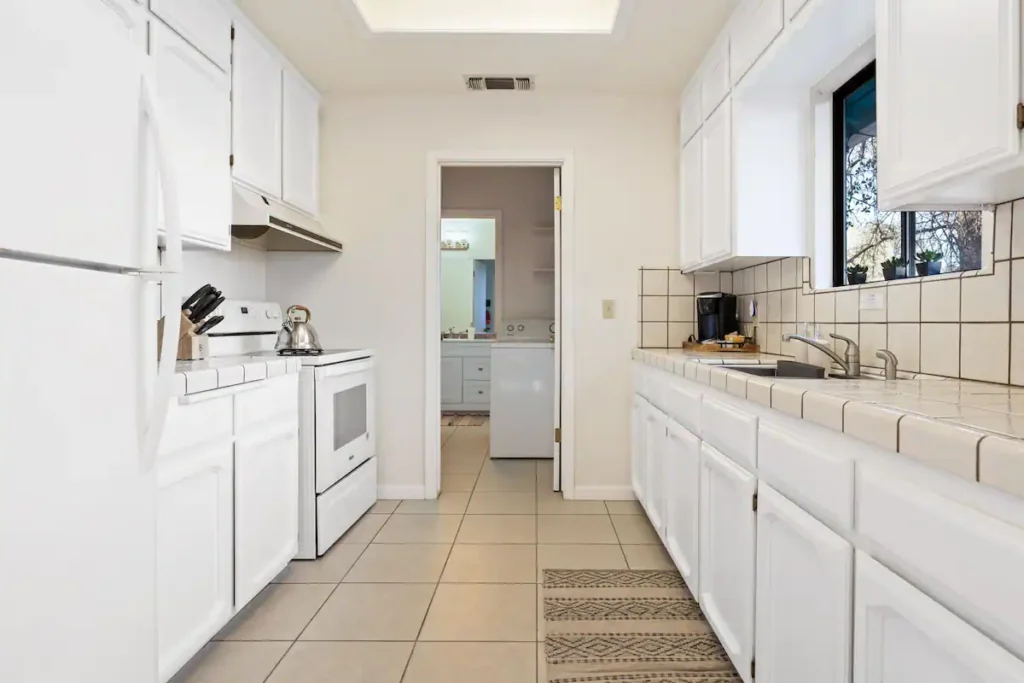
(372, 611)
(634, 530)
(384, 507)
(280, 612)
(365, 529)
(472, 663)
(402, 563)
(575, 529)
(498, 529)
(462, 464)
(225, 662)
(444, 504)
(545, 473)
(502, 503)
(539, 626)
(491, 480)
(349, 662)
(482, 612)
(555, 504)
(511, 466)
(572, 556)
(452, 482)
(647, 557)
(420, 529)
(624, 507)
(507, 563)
(542, 664)
(331, 568)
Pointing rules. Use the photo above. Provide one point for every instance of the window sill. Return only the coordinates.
(916, 279)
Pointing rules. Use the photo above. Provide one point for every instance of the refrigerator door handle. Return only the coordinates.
(169, 275)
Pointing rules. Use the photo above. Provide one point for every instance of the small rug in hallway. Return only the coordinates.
(628, 626)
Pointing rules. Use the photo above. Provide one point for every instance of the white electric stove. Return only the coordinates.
(337, 424)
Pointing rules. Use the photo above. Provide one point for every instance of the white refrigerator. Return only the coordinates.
(82, 402)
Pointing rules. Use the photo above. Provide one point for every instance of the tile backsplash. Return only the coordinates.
(968, 325)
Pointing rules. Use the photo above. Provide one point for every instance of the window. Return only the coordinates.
(869, 244)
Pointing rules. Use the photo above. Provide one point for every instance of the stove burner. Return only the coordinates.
(300, 352)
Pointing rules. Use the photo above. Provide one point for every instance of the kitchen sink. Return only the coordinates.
(784, 368)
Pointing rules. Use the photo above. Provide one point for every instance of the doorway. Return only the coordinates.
(531, 286)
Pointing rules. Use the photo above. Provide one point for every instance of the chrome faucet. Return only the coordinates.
(890, 362)
(850, 363)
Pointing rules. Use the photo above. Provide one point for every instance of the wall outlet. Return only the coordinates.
(871, 300)
(608, 309)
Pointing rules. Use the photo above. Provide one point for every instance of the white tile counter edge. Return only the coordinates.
(194, 376)
(877, 415)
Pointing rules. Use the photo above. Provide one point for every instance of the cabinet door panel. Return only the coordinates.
(654, 445)
(804, 596)
(301, 145)
(198, 108)
(204, 23)
(266, 509)
(716, 207)
(691, 197)
(756, 28)
(71, 126)
(256, 113)
(727, 537)
(715, 81)
(194, 551)
(793, 7)
(690, 116)
(451, 380)
(682, 481)
(948, 87)
(638, 462)
(903, 635)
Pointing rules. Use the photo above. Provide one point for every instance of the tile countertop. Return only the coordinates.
(972, 429)
(193, 376)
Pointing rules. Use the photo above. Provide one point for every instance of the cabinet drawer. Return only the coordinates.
(197, 423)
(959, 554)
(816, 474)
(731, 431)
(476, 392)
(276, 399)
(682, 404)
(476, 369)
(715, 82)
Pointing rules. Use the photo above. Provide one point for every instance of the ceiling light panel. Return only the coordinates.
(489, 16)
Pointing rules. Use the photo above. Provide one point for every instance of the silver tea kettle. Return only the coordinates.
(297, 335)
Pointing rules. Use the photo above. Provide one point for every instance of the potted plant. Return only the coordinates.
(929, 262)
(856, 274)
(893, 269)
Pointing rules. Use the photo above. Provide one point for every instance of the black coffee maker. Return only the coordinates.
(716, 315)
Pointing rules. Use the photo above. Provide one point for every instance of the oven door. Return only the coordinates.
(345, 435)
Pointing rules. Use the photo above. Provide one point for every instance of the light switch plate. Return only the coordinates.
(608, 309)
(872, 300)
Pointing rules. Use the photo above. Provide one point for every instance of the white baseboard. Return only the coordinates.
(413, 492)
(604, 493)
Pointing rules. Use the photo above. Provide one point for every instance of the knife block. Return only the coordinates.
(190, 345)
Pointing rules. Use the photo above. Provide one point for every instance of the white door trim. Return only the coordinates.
(432, 298)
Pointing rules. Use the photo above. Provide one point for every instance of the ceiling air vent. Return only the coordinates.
(499, 83)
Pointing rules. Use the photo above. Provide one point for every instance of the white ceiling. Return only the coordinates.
(655, 48)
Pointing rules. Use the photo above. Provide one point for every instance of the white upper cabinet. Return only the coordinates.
(715, 82)
(757, 22)
(903, 635)
(690, 113)
(804, 596)
(793, 7)
(65, 148)
(301, 144)
(196, 99)
(727, 555)
(682, 510)
(205, 24)
(691, 196)
(716, 205)
(949, 85)
(256, 113)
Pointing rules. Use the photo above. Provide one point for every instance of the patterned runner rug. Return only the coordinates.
(626, 626)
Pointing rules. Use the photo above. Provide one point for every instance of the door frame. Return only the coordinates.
(564, 270)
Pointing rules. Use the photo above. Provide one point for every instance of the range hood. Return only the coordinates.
(272, 226)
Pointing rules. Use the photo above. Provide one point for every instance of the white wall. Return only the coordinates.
(240, 273)
(525, 197)
(457, 268)
(373, 186)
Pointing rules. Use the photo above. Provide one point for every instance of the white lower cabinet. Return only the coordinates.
(451, 381)
(681, 455)
(638, 454)
(903, 635)
(194, 551)
(266, 508)
(655, 430)
(804, 596)
(727, 546)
